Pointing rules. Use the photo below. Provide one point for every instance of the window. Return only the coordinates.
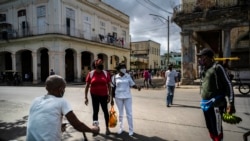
(87, 19)
(21, 13)
(41, 11)
(70, 13)
(124, 35)
(2, 17)
(102, 24)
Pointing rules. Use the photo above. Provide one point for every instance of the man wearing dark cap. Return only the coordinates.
(215, 88)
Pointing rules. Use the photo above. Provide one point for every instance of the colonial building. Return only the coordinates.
(222, 25)
(145, 55)
(64, 35)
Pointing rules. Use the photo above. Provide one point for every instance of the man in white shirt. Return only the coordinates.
(170, 77)
(46, 112)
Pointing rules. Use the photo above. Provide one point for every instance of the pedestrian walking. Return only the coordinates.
(150, 79)
(46, 112)
(123, 96)
(98, 80)
(215, 87)
(146, 78)
(170, 79)
(52, 72)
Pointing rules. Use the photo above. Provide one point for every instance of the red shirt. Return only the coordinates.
(98, 83)
(146, 74)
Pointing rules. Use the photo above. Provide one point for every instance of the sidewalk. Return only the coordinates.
(159, 83)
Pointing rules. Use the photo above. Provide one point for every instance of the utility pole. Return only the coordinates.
(167, 20)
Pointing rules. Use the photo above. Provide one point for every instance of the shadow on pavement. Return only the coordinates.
(13, 130)
(185, 106)
(125, 137)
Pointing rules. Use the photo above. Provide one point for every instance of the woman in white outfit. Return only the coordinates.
(123, 97)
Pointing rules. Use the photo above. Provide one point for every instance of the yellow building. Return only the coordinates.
(145, 55)
(64, 35)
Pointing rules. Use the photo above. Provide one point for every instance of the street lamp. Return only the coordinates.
(168, 32)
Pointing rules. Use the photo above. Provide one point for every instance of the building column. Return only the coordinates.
(188, 61)
(227, 43)
(78, 67)
(34, 64)
(13, 57)
(60, 66)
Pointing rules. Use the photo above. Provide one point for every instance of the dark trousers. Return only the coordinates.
(96, 101)
(213, 118)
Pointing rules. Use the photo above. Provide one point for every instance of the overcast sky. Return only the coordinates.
(145, 27)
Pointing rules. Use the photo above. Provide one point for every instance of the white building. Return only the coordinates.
(63, 35)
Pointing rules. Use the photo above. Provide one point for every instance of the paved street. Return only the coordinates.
(153, 121)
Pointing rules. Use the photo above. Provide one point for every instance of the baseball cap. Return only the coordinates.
(206, 52)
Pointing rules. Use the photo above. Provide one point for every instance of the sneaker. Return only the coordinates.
(131, 133)
(95, 123)
(120, 131)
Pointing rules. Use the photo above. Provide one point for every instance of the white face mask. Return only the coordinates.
(123, 71)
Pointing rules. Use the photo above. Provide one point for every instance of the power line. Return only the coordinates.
(146, 6)
(153, 29)
(156, 6)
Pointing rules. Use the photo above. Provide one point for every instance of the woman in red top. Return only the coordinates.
(98, 80)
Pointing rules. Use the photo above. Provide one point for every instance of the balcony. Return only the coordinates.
(209, 11)
(8, 33)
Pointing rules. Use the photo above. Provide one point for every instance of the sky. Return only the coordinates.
(144, 26)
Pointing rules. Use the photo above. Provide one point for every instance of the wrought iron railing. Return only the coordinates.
(8, 34)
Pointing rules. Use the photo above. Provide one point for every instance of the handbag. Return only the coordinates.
(112, 117)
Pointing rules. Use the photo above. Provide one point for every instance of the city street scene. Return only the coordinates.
(197, 49)
(153, 121)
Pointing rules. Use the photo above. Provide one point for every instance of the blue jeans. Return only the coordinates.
(170, 94)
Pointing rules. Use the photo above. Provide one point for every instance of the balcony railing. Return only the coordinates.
(201, 6)
(8, 34)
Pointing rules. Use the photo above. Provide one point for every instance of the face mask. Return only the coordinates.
(123, 71)
(100, 67)
(202, 61)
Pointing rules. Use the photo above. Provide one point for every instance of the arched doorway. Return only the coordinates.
(44, 64)
(69, 65)
(26, 65)
(114, 61)
(5, 61)
(86, 60)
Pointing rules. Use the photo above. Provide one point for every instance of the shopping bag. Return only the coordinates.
(112, 117)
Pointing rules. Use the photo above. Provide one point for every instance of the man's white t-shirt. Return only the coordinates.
(45, 118)
(170, 76)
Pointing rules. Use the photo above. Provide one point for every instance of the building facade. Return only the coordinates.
(145, 55)
(64, 35)
(222, 25)
(174, 58)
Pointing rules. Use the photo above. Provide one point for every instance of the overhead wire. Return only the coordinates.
(156, 6)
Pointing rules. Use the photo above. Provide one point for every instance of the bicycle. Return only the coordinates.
(244, 88)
